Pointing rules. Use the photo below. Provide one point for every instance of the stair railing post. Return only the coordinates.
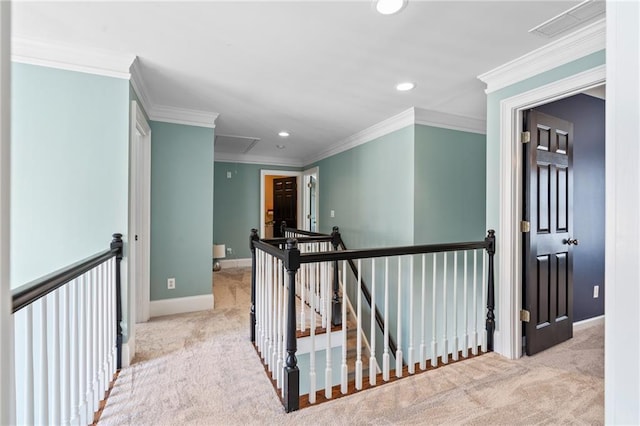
(291, 372)
(252, 313)
(283, 226)
(117, 244)
(336, 305)
(491, 319)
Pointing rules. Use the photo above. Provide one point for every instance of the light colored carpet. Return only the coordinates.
(201, 369)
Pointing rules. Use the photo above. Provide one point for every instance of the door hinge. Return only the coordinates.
(525, 316)
(525, 226)
(525, 137)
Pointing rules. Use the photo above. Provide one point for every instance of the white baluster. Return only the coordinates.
(269, 311)
(65, 373)
(43, 360)
(423, 333)
(323, 293)
(82, 351)
(445, 342)
(434, 316)
(277, 322)
(344, 368)
(359, 330)
(328, 372)
(89, 346)
(399, 320)
(303, 284)
(484, 299)
(372, 357)
(474, 344)
(101, 331)
(465, 336)
(312, 354)
(410, 360)
(385, 354)
(285, 314)
(29, 377)
(75, 348)
(454, 350)
(260, 302)
(97, 393)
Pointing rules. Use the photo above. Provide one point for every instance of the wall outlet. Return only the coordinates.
(229, 251)
(596, 291)
(171, 283)
(228, 175)
(333, 213)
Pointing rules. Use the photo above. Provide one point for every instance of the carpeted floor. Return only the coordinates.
(201, 369)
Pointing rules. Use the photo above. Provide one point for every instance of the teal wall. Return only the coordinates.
(449, 185)
(370, 188)
(181, 209)
(69, 173)
(237, 205)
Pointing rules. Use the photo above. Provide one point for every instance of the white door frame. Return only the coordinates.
(139, 216)
(508, 336)
(263, 174)
(314, 171)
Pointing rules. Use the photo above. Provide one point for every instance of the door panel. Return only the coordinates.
(285, 203)
(547, 263)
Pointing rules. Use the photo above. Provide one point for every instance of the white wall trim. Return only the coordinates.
(589, 322)
(91, 61)
(266, 172)
(580, 43)
(256, 159)
(181, 305)
(139, 86)
(399, 121)
(235, 263)
(189, 117)
(508, 238)
(128, 351)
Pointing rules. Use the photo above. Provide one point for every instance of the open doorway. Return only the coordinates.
(267, 200)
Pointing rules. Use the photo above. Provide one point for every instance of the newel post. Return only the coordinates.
(283, 226)
(336, 306)
(117, 245)
(252, 312)
(291, 372)
(491, 318)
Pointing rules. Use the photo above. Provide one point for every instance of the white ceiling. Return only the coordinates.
(321, 70)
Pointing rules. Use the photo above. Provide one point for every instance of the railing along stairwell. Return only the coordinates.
(299, 280)
(68, 340)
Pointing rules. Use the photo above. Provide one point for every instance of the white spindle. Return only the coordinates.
(90, 346)
(399, 320)
(82, 353)
(423, 332)
(303, 284)
(359, 329)
(465, 336)
(372, 357)
(285, 315)
(277, 349)
(385, 354)
(29, 409)
(65, 373)
(434, 316)
(474, 344)
(445, 342)
(43, 359)
(454, 350)
(328, 373)
(410, 360)
(75, 349)
(344, 368)
(270, 283)
(312, 354)
(484, 299)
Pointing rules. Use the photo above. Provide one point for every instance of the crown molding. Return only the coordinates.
(580, 43)
(257, 159)
(406, 118)
(189, 117)
(91, 61)
(450, 121)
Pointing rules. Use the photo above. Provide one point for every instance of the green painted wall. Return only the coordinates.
(449, 185)
(181, 209)
(69, 173)
(370, 188)
(237, 205)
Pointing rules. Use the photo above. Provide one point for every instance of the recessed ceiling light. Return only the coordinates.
(389, 7)
(403, 87)
(280, 146)
(283, 134)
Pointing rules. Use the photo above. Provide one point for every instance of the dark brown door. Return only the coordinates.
(285, 203)
(549, 243)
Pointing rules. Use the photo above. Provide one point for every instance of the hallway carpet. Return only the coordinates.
(201, 369)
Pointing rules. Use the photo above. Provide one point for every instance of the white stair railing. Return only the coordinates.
(67, 340)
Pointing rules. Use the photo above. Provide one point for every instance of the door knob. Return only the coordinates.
(571, 242)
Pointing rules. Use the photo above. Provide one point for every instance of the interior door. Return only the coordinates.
(548, 242)
(285, 203)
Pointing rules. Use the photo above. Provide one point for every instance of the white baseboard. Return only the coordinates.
(235, 263)
(128, 351)
(589, 322)
(180, 305)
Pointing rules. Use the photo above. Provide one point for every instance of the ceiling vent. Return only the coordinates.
(582, 13)
(234, 144)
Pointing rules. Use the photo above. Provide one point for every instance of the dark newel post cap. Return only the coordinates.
(292, 243)
(491, 240)
(254, 237)
(117, 244)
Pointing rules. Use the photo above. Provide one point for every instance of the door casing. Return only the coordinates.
(508, 336)
(263, 174)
